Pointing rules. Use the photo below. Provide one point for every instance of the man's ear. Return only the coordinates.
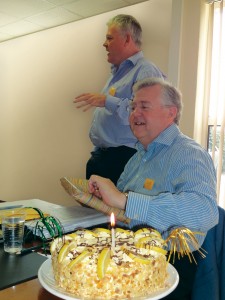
(173, 111)
(128, 38)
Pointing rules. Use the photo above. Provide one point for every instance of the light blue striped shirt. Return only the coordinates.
(184, 185)
(110, 126)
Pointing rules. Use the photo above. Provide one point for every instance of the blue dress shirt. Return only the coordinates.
(173, 184)
(110, 125)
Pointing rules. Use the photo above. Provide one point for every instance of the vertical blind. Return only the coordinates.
(214, 92)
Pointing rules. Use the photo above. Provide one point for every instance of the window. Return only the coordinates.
(216, 97)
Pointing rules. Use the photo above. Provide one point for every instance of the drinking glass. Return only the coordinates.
(13, 229)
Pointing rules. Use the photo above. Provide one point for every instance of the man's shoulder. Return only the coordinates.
(186, 145)
(148, 68)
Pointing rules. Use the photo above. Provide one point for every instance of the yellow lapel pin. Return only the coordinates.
(112, 91)
(148, 185)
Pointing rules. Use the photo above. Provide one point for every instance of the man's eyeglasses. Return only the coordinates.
(144, 106)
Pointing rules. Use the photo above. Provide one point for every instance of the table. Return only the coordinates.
(31, 289)
(28, 290)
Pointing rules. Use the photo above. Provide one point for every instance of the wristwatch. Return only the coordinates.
(126, 195)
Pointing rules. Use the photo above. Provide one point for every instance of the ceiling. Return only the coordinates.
(22, 17)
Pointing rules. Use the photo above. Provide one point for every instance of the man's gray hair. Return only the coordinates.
(128, 24)
(171, 96)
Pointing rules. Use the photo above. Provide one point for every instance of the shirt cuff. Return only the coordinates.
(137, 207)
(111, 103)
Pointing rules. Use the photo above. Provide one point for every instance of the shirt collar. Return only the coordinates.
(166, 137)
(132, 59)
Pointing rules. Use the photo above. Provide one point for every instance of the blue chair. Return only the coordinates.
(210, 276)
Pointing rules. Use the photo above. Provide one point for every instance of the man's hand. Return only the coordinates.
(105, 189)
(89, 100)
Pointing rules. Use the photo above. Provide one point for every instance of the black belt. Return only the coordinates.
(113, 148)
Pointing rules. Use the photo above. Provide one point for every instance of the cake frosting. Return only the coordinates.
(85, 264)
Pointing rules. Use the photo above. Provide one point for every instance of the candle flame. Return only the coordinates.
(112, 220)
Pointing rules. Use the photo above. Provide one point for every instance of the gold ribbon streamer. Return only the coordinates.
(180, 240)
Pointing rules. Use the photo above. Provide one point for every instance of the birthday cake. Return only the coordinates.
(87, 264)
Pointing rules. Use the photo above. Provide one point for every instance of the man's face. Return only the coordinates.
(115, 44)
(148, 116)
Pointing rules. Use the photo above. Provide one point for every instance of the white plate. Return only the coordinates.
(46, 278)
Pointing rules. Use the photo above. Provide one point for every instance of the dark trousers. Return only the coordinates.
(109, 162)
(186, 271)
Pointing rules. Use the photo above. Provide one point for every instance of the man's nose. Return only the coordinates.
(137, 109)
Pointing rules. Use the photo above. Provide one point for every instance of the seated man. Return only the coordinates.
(170, 181)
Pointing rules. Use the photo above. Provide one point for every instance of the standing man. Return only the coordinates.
(110, 133)
(170, 182)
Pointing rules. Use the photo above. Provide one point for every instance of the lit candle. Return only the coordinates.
(113, 232)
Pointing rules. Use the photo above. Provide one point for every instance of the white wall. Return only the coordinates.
(42, 135)
(192, 10)
(184, 54)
